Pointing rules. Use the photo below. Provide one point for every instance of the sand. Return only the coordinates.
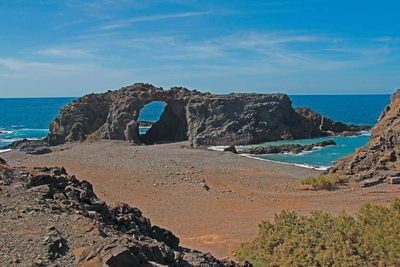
(213, 201)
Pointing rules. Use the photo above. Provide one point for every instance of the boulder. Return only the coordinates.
(2, 161)
(35, 147)
(108, 252)
(380, 156)
(231, 149)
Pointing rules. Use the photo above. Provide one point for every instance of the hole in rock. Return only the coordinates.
(161, 122)
(150, 114)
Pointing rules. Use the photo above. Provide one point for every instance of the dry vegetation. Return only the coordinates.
(328, 181)
(369, 239)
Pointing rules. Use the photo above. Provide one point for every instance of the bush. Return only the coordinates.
(328, 181)
(370, 239)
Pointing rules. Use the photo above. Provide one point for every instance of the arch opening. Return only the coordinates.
(171, 126)
(149, 115)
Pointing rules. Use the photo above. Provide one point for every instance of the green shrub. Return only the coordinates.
(370, 239)
(328, 181)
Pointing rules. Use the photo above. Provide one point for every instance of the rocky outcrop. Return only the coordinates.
(314, 124)
(201, 118)
(34, 147)
(50, 218)
(380, 157)
(293, 148)
(114, 115)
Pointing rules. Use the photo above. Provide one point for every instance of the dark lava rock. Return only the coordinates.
(294, 148)
(231, 149)
(201, 118)
(35, 147)
(82, 230)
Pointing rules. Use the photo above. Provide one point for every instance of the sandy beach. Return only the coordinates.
(213, 201)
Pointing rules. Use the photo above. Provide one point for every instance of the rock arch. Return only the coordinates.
(200, 118)
(114, 115)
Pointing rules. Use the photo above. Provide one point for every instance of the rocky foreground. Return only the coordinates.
(50, 218)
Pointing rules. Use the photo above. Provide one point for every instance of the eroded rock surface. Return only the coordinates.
(380, 157)
(50, 218)
(201, 118)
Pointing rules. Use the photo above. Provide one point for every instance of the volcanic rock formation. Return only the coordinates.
(201, 118)
(379, 158)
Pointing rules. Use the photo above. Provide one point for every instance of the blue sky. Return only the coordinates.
(71, 47)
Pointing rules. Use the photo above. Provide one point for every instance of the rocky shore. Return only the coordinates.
(293, 148)
(34, 147)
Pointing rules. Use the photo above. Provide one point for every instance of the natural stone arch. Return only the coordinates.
(200, 118)
(114, 115)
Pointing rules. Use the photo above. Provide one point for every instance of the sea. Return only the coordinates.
(29, 118)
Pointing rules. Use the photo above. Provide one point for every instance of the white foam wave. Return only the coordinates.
(365, 133)
(296, 154)
(217, 148)
(323, 168)
(4, 150)
(9, 140)
(5, 132)
(308, 166)
(318, 147)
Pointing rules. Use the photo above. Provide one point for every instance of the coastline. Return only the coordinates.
(250, 156)
(167, 182)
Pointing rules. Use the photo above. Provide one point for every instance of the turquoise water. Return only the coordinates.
(319, 157)
(30, 117)
(352, 109)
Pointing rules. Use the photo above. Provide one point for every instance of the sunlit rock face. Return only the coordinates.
(380, 156)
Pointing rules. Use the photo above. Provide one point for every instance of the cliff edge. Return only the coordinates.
(379, 158)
